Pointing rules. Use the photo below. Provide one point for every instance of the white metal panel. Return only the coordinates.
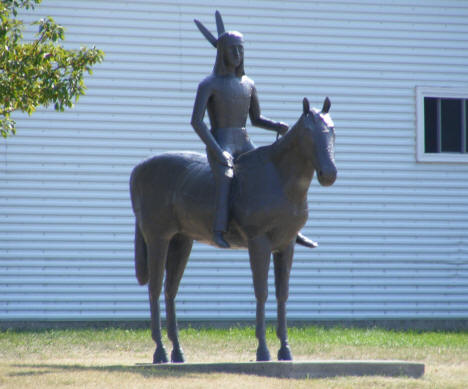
(392, 232)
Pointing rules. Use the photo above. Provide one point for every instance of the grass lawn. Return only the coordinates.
(107, 358)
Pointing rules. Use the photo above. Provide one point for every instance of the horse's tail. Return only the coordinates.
(141, 261)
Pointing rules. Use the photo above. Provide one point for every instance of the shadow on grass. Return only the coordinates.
(281, 369)
(145, 371)
(29, 373)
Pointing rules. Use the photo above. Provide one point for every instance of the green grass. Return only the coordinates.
(107, 357)
(379, 337)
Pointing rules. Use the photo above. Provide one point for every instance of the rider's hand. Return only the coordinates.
(282, 128)
(227, 159)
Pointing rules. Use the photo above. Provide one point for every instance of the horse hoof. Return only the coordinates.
(160, 355)
(284, 354)
(177, 356)
(263, 355)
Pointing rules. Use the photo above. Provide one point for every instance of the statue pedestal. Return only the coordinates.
(299, 369)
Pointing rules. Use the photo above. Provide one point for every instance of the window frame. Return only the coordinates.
(441, 93)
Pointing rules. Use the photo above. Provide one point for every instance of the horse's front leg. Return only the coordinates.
(260, 252)
(283, 261)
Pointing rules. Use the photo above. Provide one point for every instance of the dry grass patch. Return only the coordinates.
(107, 358)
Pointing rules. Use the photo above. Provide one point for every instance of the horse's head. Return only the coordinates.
(318, 140)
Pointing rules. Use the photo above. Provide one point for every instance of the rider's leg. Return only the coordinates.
(223, 187)
(223, 177)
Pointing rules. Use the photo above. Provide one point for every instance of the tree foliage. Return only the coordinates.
(38, 72)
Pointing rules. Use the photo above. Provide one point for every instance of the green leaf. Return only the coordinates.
(41, 72)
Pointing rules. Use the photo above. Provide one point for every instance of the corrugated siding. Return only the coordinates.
(392, 232)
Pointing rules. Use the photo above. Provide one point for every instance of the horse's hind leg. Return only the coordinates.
(179, 251)
(157, 253)
(283, 262)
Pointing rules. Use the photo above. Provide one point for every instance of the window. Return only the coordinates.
(442, 125)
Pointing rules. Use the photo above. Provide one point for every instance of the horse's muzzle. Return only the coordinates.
(327, 175)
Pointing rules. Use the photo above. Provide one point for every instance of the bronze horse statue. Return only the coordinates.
(173, 201)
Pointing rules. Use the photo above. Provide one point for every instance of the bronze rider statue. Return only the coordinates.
(229, 96)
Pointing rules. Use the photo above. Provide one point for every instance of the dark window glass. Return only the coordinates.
(451, 125)
(430, 125)
(466, 125)
(445, 125)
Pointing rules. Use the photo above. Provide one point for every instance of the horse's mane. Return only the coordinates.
(272, 148)
(255, 156)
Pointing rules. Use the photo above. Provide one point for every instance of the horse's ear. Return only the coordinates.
(326, 105)
(306, 106)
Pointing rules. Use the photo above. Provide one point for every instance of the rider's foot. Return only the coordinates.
(304, 241)
(219, 240)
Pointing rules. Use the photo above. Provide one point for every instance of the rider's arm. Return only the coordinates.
(260, 121)
(199, 109)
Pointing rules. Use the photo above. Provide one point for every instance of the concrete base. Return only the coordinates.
(299, 369)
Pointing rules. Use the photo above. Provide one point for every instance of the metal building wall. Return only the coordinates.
(392, 232)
